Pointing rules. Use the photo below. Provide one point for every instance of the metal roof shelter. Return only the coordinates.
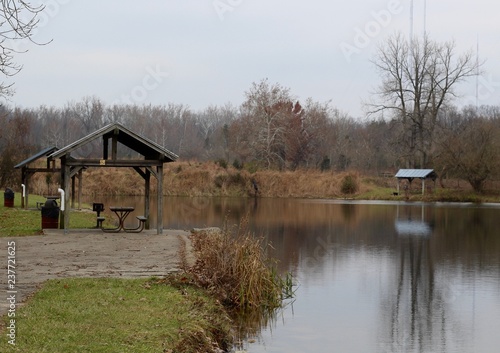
(114, 135)
(27, 171)
(411, 174)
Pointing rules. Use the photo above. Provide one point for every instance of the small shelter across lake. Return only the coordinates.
(411, 174)
(150, 160)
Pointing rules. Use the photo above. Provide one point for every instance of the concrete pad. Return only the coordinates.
(89, 253)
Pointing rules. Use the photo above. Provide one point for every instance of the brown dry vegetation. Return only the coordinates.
(208, 179)
(188, 178)
(233, 266)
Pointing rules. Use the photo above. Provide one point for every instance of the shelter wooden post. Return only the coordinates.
(146, 175)
(147, 190)
(24, 200)
(65, 185)
(73, 190)
(80, 188)
(159, 178)
(76, 172)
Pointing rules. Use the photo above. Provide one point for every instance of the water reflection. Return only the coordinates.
(408, 223)
(373, 277)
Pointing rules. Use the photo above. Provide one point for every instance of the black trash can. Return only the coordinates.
(50, 214)
(8, 198)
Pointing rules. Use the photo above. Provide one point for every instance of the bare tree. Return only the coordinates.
(468, 147)
(316, 132)
(264, 112)
(18, 19)
(418, 78)
(213, 123)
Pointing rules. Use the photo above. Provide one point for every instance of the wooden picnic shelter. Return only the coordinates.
(27, 170)
(411, 174)
(147, 158)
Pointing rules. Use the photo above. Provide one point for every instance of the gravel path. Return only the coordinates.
(89, 253)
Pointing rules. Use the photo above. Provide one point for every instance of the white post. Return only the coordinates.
(63, 204)
(61, 191)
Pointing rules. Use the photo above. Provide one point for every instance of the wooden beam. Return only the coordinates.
(114, 147)
(152, 171)
(42, 170)
(140, 172)
(112, 163)
(105, 144)
(76, 170)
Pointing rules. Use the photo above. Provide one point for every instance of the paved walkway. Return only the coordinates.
(89, 253)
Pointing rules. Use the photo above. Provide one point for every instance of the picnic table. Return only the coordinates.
(122, 213)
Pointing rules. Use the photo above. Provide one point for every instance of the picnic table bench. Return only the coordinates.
(122, 213)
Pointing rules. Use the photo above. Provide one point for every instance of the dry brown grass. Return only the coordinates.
(237, 270)
(300, 183)
(206, 179)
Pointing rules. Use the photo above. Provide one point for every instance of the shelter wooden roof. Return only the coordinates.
(43, 153)
(119, 133)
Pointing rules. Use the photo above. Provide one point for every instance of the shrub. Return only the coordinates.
(252, 167)
(237, 164)
(220, 180)
(237, 179)
(325, 164)
(349, 185)
(221, 163)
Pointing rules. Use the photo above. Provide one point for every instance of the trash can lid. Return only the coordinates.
(50, 203)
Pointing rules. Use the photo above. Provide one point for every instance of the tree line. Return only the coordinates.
(269, 130)
(412, 123)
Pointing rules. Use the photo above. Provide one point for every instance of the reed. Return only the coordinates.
(234, 266)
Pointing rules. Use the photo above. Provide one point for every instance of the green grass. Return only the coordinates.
(375, 192)
(379, 193)
(15, 221)
(117, 315)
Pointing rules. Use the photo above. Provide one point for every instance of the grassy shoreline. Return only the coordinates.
(117, 315)
(135, 315)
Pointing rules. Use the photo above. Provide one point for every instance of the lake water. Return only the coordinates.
(371, 276)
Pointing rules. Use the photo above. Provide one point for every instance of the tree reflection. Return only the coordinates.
(417, 310)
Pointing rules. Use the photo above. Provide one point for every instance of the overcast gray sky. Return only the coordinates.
(208, 52)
